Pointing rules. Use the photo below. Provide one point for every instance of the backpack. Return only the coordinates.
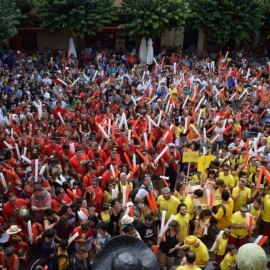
(53, 264)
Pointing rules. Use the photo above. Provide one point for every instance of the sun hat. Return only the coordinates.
(13, 229)
(191, 240)
(126, 219)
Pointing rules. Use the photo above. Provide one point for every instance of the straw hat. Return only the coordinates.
(126, 219)
(13, 229)
(191, 240)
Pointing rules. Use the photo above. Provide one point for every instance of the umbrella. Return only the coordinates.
(72, 47)
(150, 52)
(143, 51)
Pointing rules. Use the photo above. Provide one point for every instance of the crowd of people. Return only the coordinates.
(94, 150)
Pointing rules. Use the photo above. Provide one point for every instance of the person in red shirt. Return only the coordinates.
(172, 158)
(52, 149)
(65, 155)
(60, 199)
(12, 208)
(58, 109)
(88, 178)
(107, 176)
(102, 118)
(21, 249)
(9, 260)
(96, 200)
(85, 234)
(95, 149)
(79, 162)
(114, 159)
(122, 142)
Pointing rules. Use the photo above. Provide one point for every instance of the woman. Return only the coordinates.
(168, 250)
(201, 222)
(50, 219)
(37, 139)
(94, 195)
(85, 234)
(84, 128)
(107, 195)
(115, 212)
(64, 229)
(179, 192)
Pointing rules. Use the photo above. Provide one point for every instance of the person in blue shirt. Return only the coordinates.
(162, 89)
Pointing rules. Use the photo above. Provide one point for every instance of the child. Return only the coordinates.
(77, 190)
(105, 214)
(221, 246)
(49, 246)
(102, 235)
(229, 260)
(92, 211)
(21, 249)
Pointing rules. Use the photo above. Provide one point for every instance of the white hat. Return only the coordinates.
(126, 219)
(13, 229)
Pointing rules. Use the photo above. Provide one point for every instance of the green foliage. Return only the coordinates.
(25, 6)
(9, 18)
(228, 19)
(80, 17)
(150, 18)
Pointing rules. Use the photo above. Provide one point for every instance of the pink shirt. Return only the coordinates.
(40, 204)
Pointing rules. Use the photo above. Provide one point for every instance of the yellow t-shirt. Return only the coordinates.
(183, 222)
(224, 221)
(266, 208)
(173, 92)
(238, 219)
(202, 226)
(109, 196)
(228, 180)
(188, 201)
(201, 253)
(186, 267)
(180, 197)
(252, 169)
(241, 160)
(62, 262)
(242, 200)
(254, 212)
(227, 261)
(179, 131)
(168, 205)
(222, 246)
(121, 189)
(105, 217)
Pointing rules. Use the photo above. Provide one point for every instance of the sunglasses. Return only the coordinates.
(244, 212)
(147, 175)
(225, 170)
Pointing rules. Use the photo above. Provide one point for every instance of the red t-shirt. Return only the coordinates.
(56, 203)
(67, 157)
(101, 152)
(55, 112)
(77, 166)
(52, 150)
(106, 177)
(117, 163)
(170, 158)
(87, 180)
(81, 234)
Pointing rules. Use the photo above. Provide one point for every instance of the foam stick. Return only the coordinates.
(227, 128)
(199, 117)
(42, 170)
(199, 104)
(141, 155)
(134, 160)
(73, 237)
(263, 241)
(10, 173)
(114, 193)
(128, 191)
(165, 228)
(116, 176)
(260, 178)
(134, 171)
(30, 232)
(263, 111)
(205, 230)
(210, 129)
(174, 68)
(259, 74)
(232, 97)
(249, 112)
(165, 177)
(145, 139)
(163, 216)
(155, 249)
(124, 195)
(133, 100)
(128, 161)
(8, 145)
(95, 75)
(159, 118)
(151, 100)
(39, 110)
(36, 170)
(3, 181)
(260, 157)
(208, 93)
(243, 94)
(61, 118)
(161, 154)
(142, 99)
(184, 104)
(70, 193)
(258, 239)
(18, 151)
(113, 129)
(195, 129)
(174, 102)
(266, 173)
(150, 140)
(150, 202)
(204, 134)
(26, 159)
(246, 159)
(81, 215)
(131, 211)
(215, 243)
(75, 81)
(193, 116)
(215, 138)
(112, 170)
(250, 223)
(137, 120)
(153, 198)
(25, 152)
(58, 79)
(165, 182)
(103, 132)
(136, 135)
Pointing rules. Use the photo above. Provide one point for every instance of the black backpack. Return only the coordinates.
(53, 264)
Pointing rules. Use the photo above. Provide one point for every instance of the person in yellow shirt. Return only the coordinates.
(123, 182)
(188, 264)
(255, 209)
(221, 246)
(241, 194)
(239, 227)
(63, 259)
(199, 248)
(241, 158)
(226, 176)
(201, 222)
(180, 129)
(168, 203)
(225, 211)
(179, 192)
(253, 180)
(265, 219)
(183, 219)
(188, 201)
(229, 260)
(253, 165)
(173, 91)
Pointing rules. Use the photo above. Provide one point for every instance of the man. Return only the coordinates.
(218, 130)
(147, 229)
(144, 190)
(79, 261)
(188, 201)
(65, 155)
(225, 211)
(189, 263)
(255, 210)
(79, 161)
(241, 194)
(61, 198)
(59, 109)
(12, 208)
(114, 159)
(52, 149)
(107, 176)
(166, 202)
(123, 182)
(40, 201)
(9, 260)
(183, 219)
(200, 250)
(122, 142)
(172, 158)
(239, 227)
(94, 149)
(226, 176)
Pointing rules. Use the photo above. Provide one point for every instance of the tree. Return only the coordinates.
(150, 18)
(25, 6)
(237, 20)
(9, 18)
(79, 17)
